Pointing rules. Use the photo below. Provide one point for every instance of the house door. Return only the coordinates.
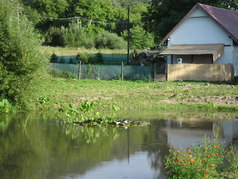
(202, 59)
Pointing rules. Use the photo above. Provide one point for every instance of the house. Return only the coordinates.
(204, 44)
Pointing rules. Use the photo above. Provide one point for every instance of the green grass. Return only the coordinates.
(140, 95)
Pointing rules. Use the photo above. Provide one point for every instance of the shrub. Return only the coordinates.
(21, 62)
(98, 58)
(71, 60)
(54, 37)
(89, 59)
(109, 40)
(75, 36)
(62, 60)
(53, 58)
(84, 58)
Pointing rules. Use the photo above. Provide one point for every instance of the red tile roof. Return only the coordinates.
(227, 19)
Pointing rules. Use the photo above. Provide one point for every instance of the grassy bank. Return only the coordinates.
(140, 95)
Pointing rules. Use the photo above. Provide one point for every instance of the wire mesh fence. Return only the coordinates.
(104, 72)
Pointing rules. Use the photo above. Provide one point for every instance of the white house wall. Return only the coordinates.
(201, 29)
(235, 59)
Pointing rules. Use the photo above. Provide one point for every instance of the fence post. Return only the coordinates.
(122, 71)
(79, 70)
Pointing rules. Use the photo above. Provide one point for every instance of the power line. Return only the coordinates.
(83, 18)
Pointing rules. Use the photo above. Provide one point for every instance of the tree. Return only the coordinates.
(21, 62)
(140, 39)
(163, 15)
(94, 13)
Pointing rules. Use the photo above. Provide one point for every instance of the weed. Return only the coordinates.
(43, 100)
(84, 115)
(5, 106)
(232, 158)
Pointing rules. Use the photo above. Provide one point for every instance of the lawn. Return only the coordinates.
(141, 95)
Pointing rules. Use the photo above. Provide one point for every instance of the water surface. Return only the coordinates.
(33, 147)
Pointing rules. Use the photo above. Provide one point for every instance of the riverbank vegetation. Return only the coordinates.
(21, 63)
(141, 95)
(210, 159)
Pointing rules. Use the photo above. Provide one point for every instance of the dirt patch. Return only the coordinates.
(217, 100)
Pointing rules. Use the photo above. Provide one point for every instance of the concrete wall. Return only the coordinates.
(200, 72)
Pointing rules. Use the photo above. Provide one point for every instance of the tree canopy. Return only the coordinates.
(157, 17)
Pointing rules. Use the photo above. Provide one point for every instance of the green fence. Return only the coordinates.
(104, 72)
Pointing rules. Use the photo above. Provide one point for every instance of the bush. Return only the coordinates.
(21, 62)
(75, 36)
(89, 59)
(54, 37)
(109, 40)
(62, 60)
(53, 58)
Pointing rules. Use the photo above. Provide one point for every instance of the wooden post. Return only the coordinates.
(129, 33)
(80, 70)
(122, 71)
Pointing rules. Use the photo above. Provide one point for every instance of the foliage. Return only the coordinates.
(85, 115)
(196, 162)
(53, 58)
(140, 39)
(54, 37)
(21, 61)
(232, 158)
(62, 60)
(109, 40)
(43, 100)
(5, 106)
(162, 97)
(98, 58)
(90, 59)
(76, 36)
(94, 17)
(51, 8)
(205, 160)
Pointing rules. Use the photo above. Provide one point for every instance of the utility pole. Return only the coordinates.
(129, 33)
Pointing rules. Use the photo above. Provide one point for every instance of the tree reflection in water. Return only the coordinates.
(31, 148)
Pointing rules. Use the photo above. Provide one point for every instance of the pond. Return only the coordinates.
(36, 147)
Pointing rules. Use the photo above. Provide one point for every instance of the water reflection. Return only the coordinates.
(36, 148)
